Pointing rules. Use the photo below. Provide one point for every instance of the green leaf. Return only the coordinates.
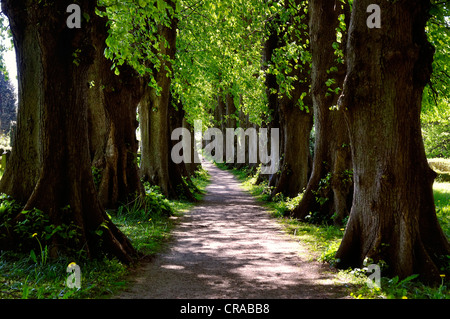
(86, 16)
(409, 278)
(394, 280)
(33, 256)
(161, 5)
(99, 232)
(434, 10)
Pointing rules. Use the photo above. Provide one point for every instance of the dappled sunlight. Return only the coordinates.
(228, 247)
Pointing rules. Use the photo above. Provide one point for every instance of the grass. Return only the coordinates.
(23, 278)
(442, 201)
(147, 224)
(322, 242)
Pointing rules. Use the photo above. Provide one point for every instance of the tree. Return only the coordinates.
(290, 63)
(7, 104)
(438, 31)
(180, 174)
(149, 28)
(64, 187)
(393, 216)
(3, 47)
(24, 165)
(114, 103)
(329, 188)
(218, 55)
(435, 111)
(154, 116)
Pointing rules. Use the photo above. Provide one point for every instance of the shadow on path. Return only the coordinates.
(229, 247)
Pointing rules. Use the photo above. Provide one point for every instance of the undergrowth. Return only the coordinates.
(31, 274)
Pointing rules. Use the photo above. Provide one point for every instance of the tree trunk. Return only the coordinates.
(272, 120)
(153, 118)
(244, 123)
(393, 214)
(179, 176)
(65, 179)
(329, 188)
(120, 176)
(155, 113)
(154, 123)
(295, 122)
(112, 125)
(230, 157)
(293, 176)
(195, 163)
(24, 164)
(220, 122)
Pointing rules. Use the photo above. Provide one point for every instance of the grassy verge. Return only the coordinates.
(322, 242)
(147, 224)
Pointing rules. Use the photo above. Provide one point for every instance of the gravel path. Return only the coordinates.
(229, 247)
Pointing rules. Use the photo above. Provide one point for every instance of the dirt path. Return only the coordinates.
(229, 247)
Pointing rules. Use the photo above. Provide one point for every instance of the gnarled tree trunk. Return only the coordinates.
(24, 164)
(195, 161)
(65, 179)
(295, 122)
(393, 215)
(328, 192)
(112, 125)
(272, 119)
(178, 173)
(120, 175)
(154, 122)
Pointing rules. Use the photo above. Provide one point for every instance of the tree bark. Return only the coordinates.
(272, 119)
(293, 176)
(328, 191)
(231, 122)
(195, 163)
(393, 215)
(220, 122)
(295, 123)
(65, 179)
(178, 173)
(112, 125)
(244, 123)
(154, 123)
(120, 176)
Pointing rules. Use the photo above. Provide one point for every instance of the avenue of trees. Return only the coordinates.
(345, 85)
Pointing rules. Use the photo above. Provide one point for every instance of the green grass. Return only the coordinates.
(442, 201)
(23, 278)
(147, 224)
(322, 242)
